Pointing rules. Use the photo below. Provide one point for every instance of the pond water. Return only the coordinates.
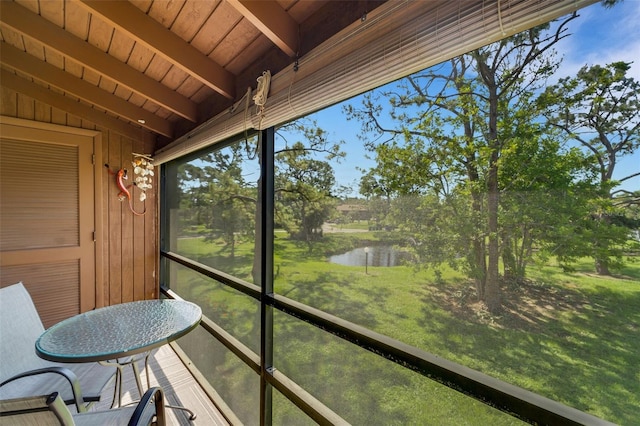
(377, 256)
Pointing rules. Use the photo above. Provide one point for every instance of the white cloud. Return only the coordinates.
(601, 36)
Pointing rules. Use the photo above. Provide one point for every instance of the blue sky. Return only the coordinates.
(598, 36)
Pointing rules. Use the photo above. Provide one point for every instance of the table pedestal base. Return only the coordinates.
(120, 364)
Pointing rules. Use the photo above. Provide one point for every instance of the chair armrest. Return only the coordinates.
(145, 411)
(60, 410)
(66, 373)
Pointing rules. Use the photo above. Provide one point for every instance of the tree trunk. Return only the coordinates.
(492, 294)
(601, 246)
(478, 246)
(492, 290)
(480, 274)
(509, 258)
(602, 267)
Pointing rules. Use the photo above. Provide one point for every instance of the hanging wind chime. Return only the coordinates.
(143, 171)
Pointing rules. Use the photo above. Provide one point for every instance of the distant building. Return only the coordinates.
(354, 211)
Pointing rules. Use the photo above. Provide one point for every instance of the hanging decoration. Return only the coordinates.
(143, 171)
(262, 91)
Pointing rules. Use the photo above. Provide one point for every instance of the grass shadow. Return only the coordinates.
(565, 343)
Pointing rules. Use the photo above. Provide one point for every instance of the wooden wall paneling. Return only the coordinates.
(126, 149)
(74, 121)
(70, 151)
(138, 231)
(127, 268)
(99, 236)
(107, 181)
(58, 116)
(42, 112)
(115, 223)
(8, 102)
(151, 230)
(26, 107)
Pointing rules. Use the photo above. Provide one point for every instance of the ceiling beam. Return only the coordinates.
(145, 30)
(54, 76)
(273, 21)
(66, 104)
(33, 26)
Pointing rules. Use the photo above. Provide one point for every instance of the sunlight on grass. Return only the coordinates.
(573, 337)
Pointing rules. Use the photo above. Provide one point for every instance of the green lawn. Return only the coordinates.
(572, 337)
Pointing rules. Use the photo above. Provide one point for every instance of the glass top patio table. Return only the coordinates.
(118, 331)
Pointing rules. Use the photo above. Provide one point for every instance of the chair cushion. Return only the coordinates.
(20, 327)
(115, 417)
(93, 378)
(15, 412)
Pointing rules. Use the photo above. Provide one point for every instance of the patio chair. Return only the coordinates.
(51, 410)
(23, 373)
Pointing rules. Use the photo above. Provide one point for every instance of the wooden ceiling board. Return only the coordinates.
(31, 5)
(91, 77)
(82, 89)
(123, 92)
(166, 12)
(203, 94)
(121, 46)
(12, 37)
(287, 4)
(60, 92)
(191, 18)
(73, 67)
(235, 42)
(223, 19)
(189, 87)
(140, 57)
(54, 58)
(100, 33)
(166, 115)
(26, 76)
(147, 105)
(272, 21)
(143, 5)
(302, 10)
(181, 61)
(136, 100)
(157, 68)
(107, 84)
(174, 78)
(255, 49)
(34, 48)
(170, 46)
(52, 10)
(76, 20)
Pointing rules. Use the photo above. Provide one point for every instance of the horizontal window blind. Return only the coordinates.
(395, 40)
(40, 205)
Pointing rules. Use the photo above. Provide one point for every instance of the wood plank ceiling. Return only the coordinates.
(164, 65)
